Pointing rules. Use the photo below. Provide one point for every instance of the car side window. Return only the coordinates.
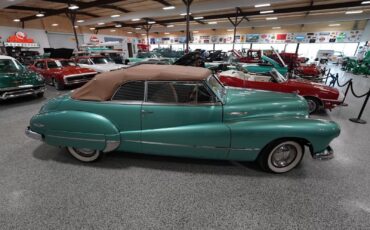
(40, 65)
(52, 65)
(161, 92)
(130, 91)
(83, 61)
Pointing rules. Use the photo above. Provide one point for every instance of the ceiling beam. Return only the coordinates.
(82, 6)
(163, 2)
(48, 11)
(257, 13)
(112, 7)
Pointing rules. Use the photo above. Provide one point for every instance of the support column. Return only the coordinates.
(296, 50)
(236, 22)
(187, 3)
(72, 18)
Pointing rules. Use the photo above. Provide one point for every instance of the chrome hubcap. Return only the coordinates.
(284, 155)
(85, 152)
(311, 105)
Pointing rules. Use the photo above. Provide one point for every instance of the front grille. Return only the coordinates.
(81, 78)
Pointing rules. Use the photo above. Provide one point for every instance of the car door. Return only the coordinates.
(182, 118)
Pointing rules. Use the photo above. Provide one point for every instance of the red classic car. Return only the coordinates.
(253, 56)
(317, 95)
(62, 72)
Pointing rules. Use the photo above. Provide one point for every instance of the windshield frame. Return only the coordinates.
(220, 95)
(279, 78)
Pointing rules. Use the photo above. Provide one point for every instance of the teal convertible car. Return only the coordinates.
(182, 111)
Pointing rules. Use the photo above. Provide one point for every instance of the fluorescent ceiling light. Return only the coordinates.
(73, 7)
(184, 14)
(40, 15)
(115, 16)
(101, 23)
(272, 18)
(230, 30)
(168, 7)
(276, 28)
(195, 31)
(166, 33)
(92, 28)
(76, 26)
(266, 12)
(137, 28)
(143, 34)
(354, 12)
(212, 23)
(79, 21)
(16, 20)
(129, 32)
(169, 26)
(118, 25)
(365, 2)
(55, 24)
(135, 19)
(331, 25)
(262, 5)
(197, 18)
(112, 30)
(151, 22)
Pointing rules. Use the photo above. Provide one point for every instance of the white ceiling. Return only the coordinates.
(6, 3)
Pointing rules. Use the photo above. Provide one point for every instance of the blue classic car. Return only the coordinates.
(182, 111)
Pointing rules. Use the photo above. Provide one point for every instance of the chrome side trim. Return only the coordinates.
(238, 113)
(192, 146)
(111, 145)
(33, 135)
(77, 139)
(80, 74)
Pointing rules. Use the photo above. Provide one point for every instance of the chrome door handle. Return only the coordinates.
(238, 113)
(146, 112)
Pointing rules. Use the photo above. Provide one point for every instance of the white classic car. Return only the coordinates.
(100, 64)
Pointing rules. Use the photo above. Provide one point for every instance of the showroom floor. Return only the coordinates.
(42, 187)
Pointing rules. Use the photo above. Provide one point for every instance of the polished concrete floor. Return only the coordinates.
(43, 187)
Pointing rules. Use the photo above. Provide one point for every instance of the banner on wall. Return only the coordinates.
(20, 39)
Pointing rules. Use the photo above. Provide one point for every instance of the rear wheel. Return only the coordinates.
(85, 154)
(281, 156)
(40, 94)
(313, 104)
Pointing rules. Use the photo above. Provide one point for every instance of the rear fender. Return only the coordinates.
(76, 129)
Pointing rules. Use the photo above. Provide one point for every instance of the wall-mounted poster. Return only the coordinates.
(281, 37)
(252, 37)
(312, 40)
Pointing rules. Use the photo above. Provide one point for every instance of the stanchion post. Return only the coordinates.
(345, 94)
(327, 76)
(358, 119)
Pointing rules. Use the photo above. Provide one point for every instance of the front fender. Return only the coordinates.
(253, 135)
(76, 129)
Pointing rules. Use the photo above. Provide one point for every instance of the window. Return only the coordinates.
(84, 61)
(53, 65)
(40, 65)
(179, 92)
(131, 91)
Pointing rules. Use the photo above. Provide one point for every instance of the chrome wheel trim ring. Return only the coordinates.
(285, 156)
(311, 105)
(84, 154)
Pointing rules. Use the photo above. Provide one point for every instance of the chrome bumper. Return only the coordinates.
(33, 135)
(21, 93)
(327, 154)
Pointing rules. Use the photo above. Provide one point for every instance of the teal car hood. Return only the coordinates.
(245, 104)
(20, 78)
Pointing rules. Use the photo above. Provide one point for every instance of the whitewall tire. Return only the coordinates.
(84, 154)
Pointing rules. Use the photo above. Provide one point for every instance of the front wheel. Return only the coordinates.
(84, 154)
(281, 156)
(313, 104)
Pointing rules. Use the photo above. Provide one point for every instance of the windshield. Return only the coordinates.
(277, 76)
(101, 60)
(10, 66)
(54, 64)
(66, 63)
(216, 87)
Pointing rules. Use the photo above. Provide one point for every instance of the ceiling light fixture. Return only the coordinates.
(167, 33)
(332, 25)
(184, 14)
(137, 28)
(16, 20)
(118, 25)
(40, 15)
(169, 26)
(212, 23)
(101, 23)
(168, 7)
(55, 24)
(112, 30)
(354, 12)
(92, 28)
(365, 2)
(115, 16)
(135, 19)
(271, 18)
(197, 18)
(143, 34)
(76, 26)
(266, 12)
(129, 32)
(230, 30)
(80, 21)
(262, 5)
(276, 28)
(73, 7)
(151, 22)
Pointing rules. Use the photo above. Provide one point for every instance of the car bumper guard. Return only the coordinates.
(326, 154)
(33, 135)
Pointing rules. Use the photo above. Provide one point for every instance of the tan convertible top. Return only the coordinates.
(104, 85)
